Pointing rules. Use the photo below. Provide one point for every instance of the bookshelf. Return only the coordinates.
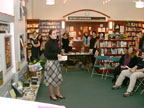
(114, 47)
(46, 25)
(133, 29)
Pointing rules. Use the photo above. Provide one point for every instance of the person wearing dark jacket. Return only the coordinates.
(128, 59)
(93, 45)
(53, 75)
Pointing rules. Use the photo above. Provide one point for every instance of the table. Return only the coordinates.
(76, 56)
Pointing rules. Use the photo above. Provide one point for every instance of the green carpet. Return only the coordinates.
(82, 91)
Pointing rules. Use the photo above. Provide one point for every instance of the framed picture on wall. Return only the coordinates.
(8, 56)
(117, 26)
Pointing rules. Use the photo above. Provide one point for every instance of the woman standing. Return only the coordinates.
(53, 76)
(35, 46)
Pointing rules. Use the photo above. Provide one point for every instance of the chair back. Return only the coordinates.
(102, 57)
(115, 59)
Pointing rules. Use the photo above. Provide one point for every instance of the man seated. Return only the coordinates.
(133, 73)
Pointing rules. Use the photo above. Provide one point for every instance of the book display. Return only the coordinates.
(8, 52)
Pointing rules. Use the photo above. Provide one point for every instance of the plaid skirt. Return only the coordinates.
(53, 74)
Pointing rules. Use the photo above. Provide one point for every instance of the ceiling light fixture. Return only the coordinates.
(106, 1)
(50, 2)
(139, 4)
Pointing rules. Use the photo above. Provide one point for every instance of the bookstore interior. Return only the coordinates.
(20, 77)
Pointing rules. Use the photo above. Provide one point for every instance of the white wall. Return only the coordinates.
(7, 6)
(117, 9)
(18, 28)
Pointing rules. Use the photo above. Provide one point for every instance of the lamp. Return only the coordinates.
(139, 4)
(63, 24)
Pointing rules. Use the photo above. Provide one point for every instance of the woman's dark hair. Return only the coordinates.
(50, 31)
(34, 32)
(94, 32)
(142, 51)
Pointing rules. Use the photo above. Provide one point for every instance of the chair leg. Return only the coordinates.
(142, 91)
(103, 74)
(92, 72)
(138, 86)
(106, 74)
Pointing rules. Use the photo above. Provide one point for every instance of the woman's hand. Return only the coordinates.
(59, 56)
(122, 67)
(132, 70)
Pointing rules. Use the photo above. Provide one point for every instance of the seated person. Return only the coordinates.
(133, 73)
(128, 59)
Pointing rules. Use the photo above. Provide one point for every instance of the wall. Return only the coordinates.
(17, 28)
(117, 9)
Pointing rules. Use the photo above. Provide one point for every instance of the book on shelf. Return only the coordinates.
(102, 51)
(101, 44)
(109, 43)
(106, 36)
(105, 51)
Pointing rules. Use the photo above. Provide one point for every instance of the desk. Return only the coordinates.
(76, 56)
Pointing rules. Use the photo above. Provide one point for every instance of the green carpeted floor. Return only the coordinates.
(82, 91)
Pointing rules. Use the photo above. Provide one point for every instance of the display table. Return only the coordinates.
(16, 103)
(78, 55)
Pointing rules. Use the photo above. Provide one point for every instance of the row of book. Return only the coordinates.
(49, 23)
(112, 51)
(113, 44)
(32, 25)
(50, 27)
(132, 24)
(132, 29)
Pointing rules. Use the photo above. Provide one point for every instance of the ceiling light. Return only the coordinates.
(139, 4)
(50, 2)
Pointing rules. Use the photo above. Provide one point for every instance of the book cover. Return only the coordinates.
(12, 93)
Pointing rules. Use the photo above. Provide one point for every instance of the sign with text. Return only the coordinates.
(85, 18)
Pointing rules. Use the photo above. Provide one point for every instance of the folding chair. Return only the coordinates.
(100, 64)
(140, 82)
(109, 67)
